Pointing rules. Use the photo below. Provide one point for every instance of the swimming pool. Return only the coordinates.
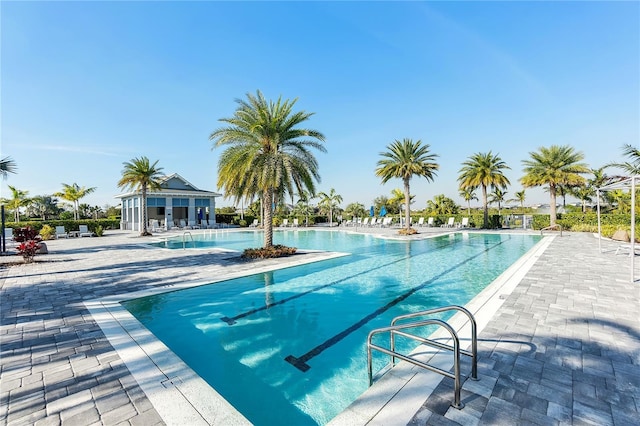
(288, 346)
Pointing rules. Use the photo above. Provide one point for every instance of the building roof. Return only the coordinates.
(174, 185)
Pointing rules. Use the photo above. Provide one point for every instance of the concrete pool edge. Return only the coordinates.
(399, 394)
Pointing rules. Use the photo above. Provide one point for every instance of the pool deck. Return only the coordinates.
(562, 348)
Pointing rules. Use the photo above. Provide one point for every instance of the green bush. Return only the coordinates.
(69, 225)
(46, 232)
(99, 231)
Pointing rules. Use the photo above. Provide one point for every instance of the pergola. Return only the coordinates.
(629, 183)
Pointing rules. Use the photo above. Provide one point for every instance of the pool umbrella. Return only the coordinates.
(371, 212)
(383, 211)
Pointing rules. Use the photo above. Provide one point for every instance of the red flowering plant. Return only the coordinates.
(28, 250)
(29, 243)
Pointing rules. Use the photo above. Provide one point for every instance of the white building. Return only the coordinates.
(178, 201)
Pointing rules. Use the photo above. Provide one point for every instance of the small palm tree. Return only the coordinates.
(355, 210)
(520, 197)
(140, 174)
(329, 202)
(441, 204)
(267, 154)
(403, 160)
(483, 170)
(19, 198)
(7, 165)
(468, 194)
(498, 197)
(554, 166)
(73, 193)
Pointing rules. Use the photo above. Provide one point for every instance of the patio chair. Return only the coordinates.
(464, 223)
(295, 223)
(285, 222)
(254, 224)
(365, 222)
(84, 231)
(60, 232)
(430, 223)
(421, 221)
(449, 224)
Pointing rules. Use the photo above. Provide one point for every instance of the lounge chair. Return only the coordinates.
(365, 222)
(295, 223)
(449, 224)
(464, 223)
(193, 225)
(254, 224)
(60, 232)
(421, 221)
(285, 222)
(84, 231)
(430, 222)
(182, 224)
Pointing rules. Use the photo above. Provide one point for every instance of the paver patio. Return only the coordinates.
(564, 348)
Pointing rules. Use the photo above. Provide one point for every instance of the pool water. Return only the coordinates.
(289, 346)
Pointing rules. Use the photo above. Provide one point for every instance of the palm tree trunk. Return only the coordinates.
(268, 219)
(144, 210)
(552, 196)
(468, 207)
(486, 207)
(407, 203)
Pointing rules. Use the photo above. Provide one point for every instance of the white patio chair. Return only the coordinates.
(60, 232)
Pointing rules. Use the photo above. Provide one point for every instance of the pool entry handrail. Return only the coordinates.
(184, 239)
(399, 329)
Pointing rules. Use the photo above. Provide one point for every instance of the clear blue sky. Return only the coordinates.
(89, 85)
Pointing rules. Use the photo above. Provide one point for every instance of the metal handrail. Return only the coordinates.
(456, 349)
(184, 243)
(399, 330)
(474, 334)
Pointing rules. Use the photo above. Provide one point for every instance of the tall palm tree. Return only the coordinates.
(483, 170)
(73, 193)
(19, 198)
(329, 202)
(7, 165)
(468, 194)
(553, 166)
(140, 174)
(498, 197)
(404, 159)
(520, 197)
(268, 153)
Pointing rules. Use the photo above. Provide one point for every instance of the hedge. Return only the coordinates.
(69, 225)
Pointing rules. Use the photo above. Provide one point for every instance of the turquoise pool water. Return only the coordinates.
(289, 346)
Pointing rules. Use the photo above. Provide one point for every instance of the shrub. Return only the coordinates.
(28, 250)
(46, 232)
(99, 231)
(277, 250)
(405, 231)
(25, 234)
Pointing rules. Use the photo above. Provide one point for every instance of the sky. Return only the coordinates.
(88, 85)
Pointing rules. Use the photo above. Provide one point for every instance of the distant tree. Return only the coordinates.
(304, 208)
(73, 193)
(483, 170)
(111, 211)
(553, 166)
(405, 159)
(43, 206)
(355, 210)
(7, 165)
(140, 175)
(268, 153)
(329, 202)
(497, 196)
(19, 199)
(520, 197)
(468, 194)
(441, 204)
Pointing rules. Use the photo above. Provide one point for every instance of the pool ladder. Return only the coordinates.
(400, 330)
(184, 239)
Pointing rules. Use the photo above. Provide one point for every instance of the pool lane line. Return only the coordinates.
(301, 362)
(233, 320)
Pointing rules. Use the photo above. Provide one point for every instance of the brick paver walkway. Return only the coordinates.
(564, 348)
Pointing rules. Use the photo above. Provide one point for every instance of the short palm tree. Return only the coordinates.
(7, 165)
(329, 202)
(355, 210)
(554, 166)
(396, 201)
(404, 159)
(73, 193)
(498, 197)
(483, 170)
(520, 197)
(19, 198)
(468, 194)
(268, 153)
(441, 204)
(140, 174)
